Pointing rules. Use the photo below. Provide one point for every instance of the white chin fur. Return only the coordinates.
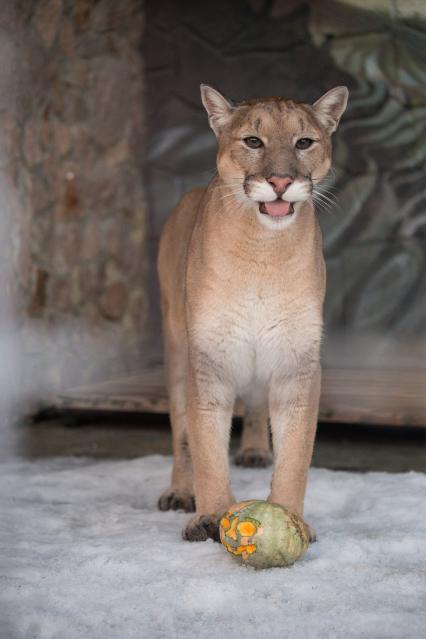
(277, 223)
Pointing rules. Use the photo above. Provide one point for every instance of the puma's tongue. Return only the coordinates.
(277, 207)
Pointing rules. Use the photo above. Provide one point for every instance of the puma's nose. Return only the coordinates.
(280, 184)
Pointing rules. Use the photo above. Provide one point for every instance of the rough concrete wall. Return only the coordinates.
(71, 92)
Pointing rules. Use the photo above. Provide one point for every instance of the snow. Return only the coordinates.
(84, 554)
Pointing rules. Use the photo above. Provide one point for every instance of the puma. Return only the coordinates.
(242, 281)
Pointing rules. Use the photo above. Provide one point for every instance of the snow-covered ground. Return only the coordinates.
(86, 555)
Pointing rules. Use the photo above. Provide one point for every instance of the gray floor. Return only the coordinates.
(338, 446)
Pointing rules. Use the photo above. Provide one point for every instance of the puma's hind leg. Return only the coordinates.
(255, 448)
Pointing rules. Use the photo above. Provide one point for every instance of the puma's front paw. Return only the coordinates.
(177, 500)
(253, 458)
(202, 527)
(310, 531)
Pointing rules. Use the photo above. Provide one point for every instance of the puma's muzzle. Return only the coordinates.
(277, 195)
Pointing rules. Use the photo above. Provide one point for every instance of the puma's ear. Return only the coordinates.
(218, 108)
(330, 108)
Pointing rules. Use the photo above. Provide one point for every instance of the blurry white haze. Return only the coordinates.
(36, 359)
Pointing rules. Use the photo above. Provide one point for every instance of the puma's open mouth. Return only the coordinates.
(277, 208)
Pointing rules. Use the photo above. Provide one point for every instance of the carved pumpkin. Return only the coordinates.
(263, 535)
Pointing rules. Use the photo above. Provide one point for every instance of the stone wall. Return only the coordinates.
(71, 94)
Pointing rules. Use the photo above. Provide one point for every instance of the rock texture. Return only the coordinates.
(71, 103)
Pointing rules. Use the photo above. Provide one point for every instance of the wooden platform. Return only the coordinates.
(353, 396)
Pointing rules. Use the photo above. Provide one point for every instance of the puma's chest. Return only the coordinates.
(256, 331)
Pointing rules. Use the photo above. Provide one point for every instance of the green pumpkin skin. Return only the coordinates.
(280, 540)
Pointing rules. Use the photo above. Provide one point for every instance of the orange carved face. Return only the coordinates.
(237, 532)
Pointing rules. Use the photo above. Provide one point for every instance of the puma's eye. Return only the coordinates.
(253, 143)
(304, 143)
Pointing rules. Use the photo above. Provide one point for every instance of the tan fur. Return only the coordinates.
(242, 296)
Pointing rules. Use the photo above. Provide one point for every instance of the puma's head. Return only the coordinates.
(273, 151)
